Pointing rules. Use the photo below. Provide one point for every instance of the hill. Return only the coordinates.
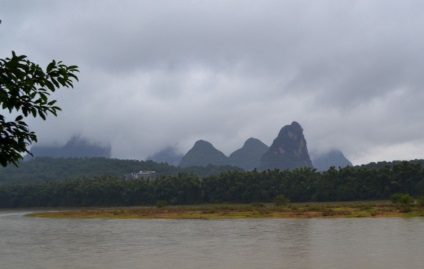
(42, 169)
(332, 158)
(248, 157)
(168, 155)
(203, 153)
(288, 151)
(75, 147)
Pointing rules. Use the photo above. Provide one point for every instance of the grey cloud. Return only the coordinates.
(160, 73)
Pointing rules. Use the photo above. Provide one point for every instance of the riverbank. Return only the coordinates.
(236, 211)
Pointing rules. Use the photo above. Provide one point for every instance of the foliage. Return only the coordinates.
(52, 169)
(280, 200)
(402, 198)
(24, 90)
(400, 181)
(420, 201)
(160, 204)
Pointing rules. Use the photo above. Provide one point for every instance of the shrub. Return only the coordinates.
(280, 200)
(161, 203)
(402, 198)
(420, 201)
(258, 205)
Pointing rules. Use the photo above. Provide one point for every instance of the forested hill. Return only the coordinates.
(51, 169)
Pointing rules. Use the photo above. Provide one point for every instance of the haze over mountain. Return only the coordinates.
(288, 151)
(75, 147)
(248, 157)
(331, 158)
(168, 155)
(203, 153)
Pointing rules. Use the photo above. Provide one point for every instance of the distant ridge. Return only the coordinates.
(203, 153)
(75, 147)
(331, 158)
(168, 155)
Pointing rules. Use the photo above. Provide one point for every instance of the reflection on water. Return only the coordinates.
(264, 243)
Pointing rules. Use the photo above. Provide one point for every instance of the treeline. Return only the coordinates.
(301, 185)
(42, 169)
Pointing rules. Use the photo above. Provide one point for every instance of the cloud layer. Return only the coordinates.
(161, 73)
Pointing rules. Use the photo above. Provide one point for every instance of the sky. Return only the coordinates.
(162, 73)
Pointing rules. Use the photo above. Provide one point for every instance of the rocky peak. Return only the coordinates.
(288, 151)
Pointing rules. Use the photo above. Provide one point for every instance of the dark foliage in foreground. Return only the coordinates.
(25, 90)
(344, 184)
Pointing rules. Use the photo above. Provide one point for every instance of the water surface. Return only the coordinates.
(249, 243)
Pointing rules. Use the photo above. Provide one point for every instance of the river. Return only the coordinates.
(40, 243)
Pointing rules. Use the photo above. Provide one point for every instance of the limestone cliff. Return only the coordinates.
(288, 151)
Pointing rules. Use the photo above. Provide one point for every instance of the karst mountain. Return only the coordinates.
(288, 151)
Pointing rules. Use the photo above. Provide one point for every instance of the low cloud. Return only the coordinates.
(161, 73)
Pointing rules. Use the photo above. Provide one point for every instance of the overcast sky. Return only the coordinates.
(168, 73)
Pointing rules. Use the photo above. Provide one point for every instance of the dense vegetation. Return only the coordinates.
(344, 184)
(42, 169)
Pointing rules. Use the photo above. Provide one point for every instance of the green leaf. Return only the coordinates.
(25, 88)
(51, 66)
(49, 85)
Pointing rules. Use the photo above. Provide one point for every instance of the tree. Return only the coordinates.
(24, 90)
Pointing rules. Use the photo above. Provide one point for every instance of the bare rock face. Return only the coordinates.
(288, 151)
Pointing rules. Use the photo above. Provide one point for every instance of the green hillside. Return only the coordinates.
(53, 169)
